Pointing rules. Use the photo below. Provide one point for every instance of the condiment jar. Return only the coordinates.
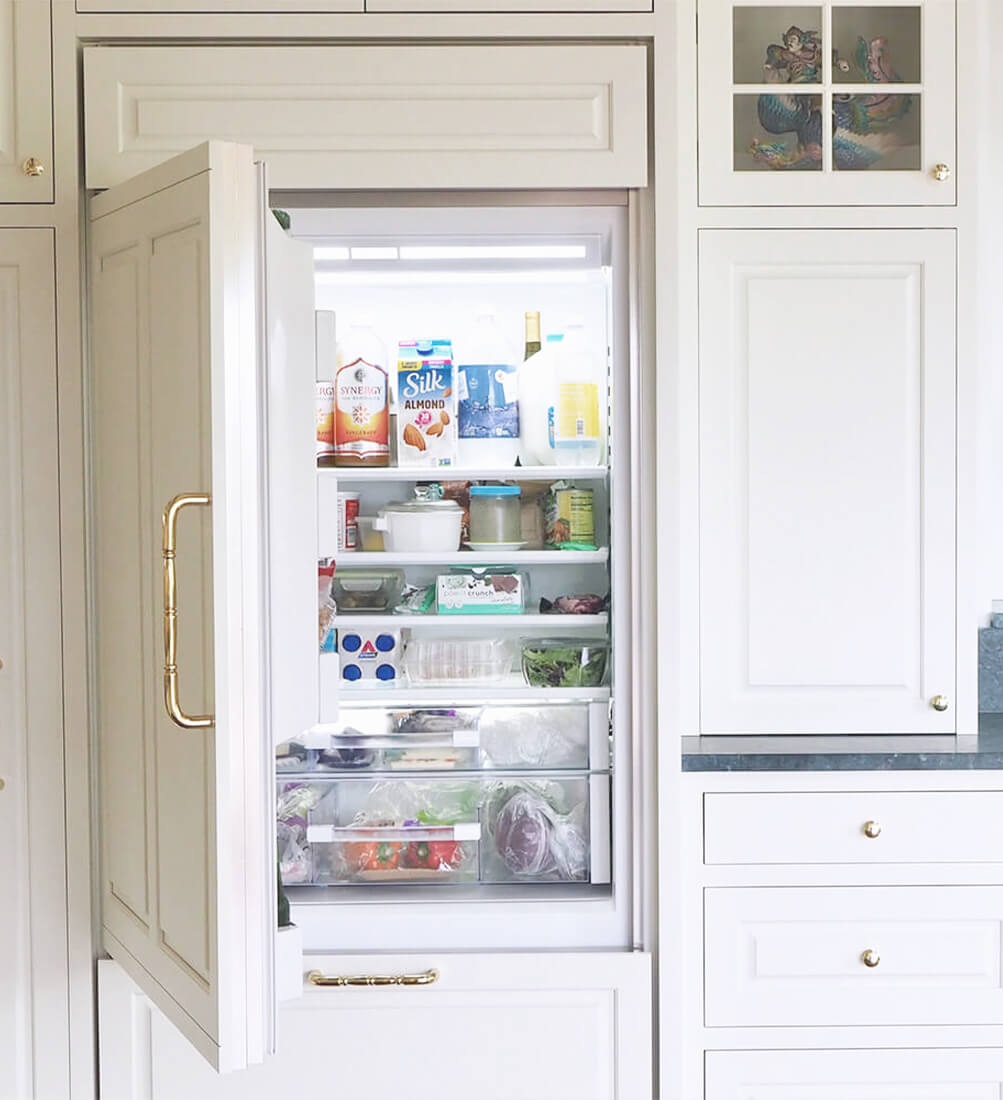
(495, 515)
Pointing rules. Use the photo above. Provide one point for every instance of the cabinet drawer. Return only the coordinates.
(796, 957)
(838, 1074)
(545, 1026)
(863, 827)
(376, 116)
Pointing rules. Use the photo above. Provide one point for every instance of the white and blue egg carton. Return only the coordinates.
(369, 655)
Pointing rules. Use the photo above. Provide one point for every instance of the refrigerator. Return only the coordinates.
(482, 785)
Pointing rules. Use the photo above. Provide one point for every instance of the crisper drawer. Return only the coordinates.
(857, 1074)
(541, 1026)
(864, 827)
(461, 830)
(864, 955)
(376, 116)
(543, 737)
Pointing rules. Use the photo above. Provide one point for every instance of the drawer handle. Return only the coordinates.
(870, 958)
(872, 829)
(940, 703)
(315, 977)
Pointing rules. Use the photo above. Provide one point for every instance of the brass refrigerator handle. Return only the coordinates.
(429, 977)
(171, 702)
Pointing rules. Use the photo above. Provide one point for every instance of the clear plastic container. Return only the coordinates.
(564, 662)
(495, 515)
(458, 660)
(366, 591)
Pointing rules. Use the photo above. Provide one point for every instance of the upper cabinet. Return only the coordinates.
(25, 101)
(845, 103)
(493, 6)
(377, 116)
(827, 481)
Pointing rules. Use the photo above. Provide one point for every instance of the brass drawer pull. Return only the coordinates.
(171, 694)
(870, 959)
(315, 977)
(872, 829)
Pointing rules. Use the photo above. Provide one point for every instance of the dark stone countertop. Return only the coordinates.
(852, 753)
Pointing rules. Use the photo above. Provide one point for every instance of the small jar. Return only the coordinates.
(495, 515)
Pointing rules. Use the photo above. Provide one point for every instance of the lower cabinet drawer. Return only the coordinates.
(854, 1075)
(854, 827)
(800, 957)
(546, 1026)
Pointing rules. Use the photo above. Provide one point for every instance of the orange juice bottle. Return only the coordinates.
(361, 401)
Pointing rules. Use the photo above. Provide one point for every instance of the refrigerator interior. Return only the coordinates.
(459, 804)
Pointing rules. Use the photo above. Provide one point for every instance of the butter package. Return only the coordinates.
(480, 592)
(426, 404)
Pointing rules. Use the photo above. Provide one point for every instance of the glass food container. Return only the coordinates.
(366, 591)
(495, 517)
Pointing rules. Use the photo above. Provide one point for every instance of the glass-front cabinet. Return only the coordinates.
(838, 103)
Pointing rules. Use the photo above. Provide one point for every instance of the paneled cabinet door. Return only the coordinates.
(843, 102)
(25, 101)
(543, 1026)
(34, 1040)
(827, 1075)
(827, 481)
(186, 782)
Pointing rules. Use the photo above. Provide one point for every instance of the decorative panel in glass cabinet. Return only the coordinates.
(844, 103)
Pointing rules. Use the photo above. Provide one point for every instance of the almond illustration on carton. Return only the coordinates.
(434, 429)
(413, 437)
(444, 416)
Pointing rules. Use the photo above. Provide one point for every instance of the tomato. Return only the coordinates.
(434, 854)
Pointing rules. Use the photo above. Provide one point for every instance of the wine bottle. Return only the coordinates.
(533, 343)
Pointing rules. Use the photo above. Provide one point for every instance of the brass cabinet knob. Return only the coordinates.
(872, 829)
(942, 173)
(2, 784)
(940, 702)
(870, 958)
(33, 167)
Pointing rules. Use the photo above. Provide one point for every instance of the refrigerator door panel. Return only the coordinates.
(188, 883)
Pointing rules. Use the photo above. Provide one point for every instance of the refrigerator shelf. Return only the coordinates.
(360, 474)
(555, 624)
(513, 689)
(352, 558)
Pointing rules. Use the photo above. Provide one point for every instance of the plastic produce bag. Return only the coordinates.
(534, 839)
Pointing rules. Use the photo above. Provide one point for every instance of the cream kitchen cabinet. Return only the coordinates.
(827, 481)
(492, 1026)
(34, 1039)
(844, 103)
(930, 1074)
(237, 7)
(863, 956)
(25, 101)
(540, 116)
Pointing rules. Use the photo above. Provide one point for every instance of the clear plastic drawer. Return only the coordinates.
(548, 737)
(508, 828)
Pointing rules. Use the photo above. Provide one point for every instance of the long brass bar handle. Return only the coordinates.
(315, 977)
(171, 702)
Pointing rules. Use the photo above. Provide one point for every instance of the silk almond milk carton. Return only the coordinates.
(426, 404)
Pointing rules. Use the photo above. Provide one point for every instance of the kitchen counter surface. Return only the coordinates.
(849, 753)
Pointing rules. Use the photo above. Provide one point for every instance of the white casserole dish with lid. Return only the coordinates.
(420, 526)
